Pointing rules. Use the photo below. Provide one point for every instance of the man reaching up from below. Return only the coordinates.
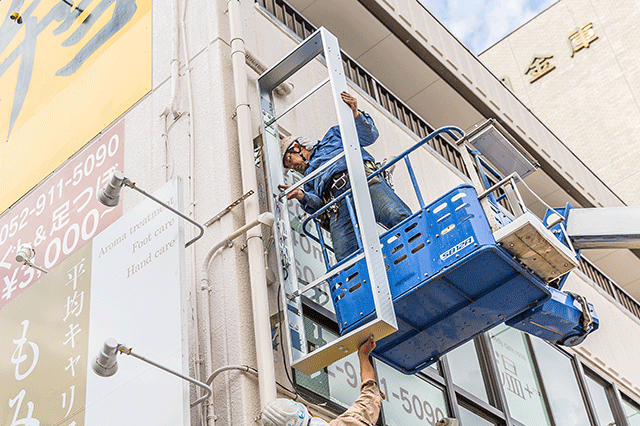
(363, 412)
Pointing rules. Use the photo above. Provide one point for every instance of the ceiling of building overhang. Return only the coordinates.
(387, 58)
(392, 63)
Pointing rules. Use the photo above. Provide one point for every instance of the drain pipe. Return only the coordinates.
(205, 299)
(257, 268)
(175, 61)
(256, 64)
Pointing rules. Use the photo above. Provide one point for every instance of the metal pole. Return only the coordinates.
(127, 351)
(132, 185)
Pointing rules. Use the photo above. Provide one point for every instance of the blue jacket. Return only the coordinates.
(326, 149)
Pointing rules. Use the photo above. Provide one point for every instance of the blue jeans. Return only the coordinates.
(388, 208)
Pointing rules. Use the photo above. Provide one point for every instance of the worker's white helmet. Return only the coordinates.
(285, 144)
(288, 142)
(285, 412)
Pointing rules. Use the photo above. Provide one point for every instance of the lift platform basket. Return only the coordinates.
(449, 281)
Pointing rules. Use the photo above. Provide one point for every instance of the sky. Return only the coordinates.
(481, 23)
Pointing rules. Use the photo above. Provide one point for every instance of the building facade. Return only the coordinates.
(167, 93)
(587, 93)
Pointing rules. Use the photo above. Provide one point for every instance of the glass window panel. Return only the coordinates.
(465, 370)
(469, 418)
(409, 400)
(518, 377)
(339, 382)
(632, 413)
(344, 380)
(600, 402)
(308, 254)
(563, 393)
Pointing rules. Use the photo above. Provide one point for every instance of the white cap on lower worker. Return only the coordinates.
(285, 412)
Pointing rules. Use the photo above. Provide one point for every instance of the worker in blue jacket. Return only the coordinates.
(305, 156)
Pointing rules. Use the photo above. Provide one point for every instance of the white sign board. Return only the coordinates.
(136, 299)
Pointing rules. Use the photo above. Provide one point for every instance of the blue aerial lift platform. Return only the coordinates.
(450, 279)
(458, 266)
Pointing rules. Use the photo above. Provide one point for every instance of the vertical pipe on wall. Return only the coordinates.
(192, 131)
(175, 58)
(207, 361)
(257, 271)
(178, 33)
(172, 108)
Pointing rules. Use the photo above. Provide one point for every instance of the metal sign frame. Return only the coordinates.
(325, 43)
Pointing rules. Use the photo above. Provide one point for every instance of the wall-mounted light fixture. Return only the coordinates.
(109, 195)
(25, 255)
(106, 364)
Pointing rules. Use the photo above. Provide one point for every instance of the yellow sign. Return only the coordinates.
(44, 346)
(67, 70)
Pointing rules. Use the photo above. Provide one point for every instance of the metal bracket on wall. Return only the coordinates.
(228, 208)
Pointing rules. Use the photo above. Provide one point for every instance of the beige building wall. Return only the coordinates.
(600, 350)
(590, 99)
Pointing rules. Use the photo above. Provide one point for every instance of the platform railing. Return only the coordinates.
(451, 131)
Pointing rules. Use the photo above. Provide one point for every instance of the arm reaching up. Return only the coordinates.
(366, 369)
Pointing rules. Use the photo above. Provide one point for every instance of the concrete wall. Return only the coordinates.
(216, 181)
(591, 99)
(612, 349)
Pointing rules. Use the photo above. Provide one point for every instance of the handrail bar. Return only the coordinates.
(447, 129)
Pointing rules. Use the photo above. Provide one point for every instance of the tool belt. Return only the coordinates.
(339, 180)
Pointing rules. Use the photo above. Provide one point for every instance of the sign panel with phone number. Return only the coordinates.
(61, 214)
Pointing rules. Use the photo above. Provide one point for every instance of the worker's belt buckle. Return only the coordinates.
(339, 183)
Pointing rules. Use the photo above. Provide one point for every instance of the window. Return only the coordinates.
(631, 412)
(433, 367)
(600, 401)
(409, 399)
(339, 382)
(518, 377)
(469, 418)
(561, 385)
(466, 372)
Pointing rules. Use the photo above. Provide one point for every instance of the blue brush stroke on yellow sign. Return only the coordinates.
(67, 71)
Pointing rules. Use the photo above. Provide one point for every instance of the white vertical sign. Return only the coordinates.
(136, 299)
